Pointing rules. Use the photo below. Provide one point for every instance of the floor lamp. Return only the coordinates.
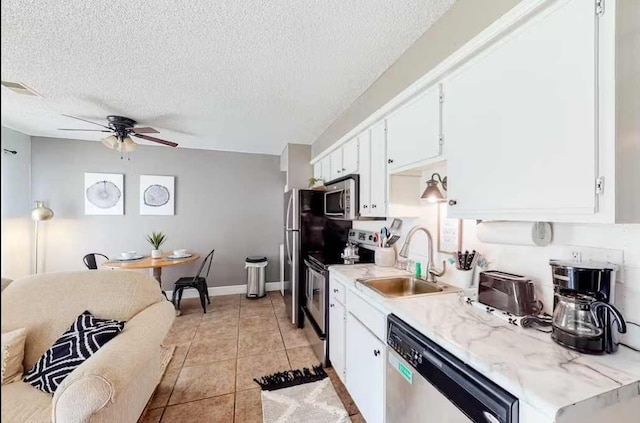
(40, 212)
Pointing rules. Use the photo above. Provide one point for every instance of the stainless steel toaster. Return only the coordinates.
(508, 292)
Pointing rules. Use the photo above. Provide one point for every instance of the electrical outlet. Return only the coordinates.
(576, 256)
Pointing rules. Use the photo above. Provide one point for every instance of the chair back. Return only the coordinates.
(206, 262)
(90, 260)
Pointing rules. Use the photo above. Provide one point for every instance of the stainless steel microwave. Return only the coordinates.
(341, 198)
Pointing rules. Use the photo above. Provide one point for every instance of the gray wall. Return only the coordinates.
(464, 20)
(232, 202)
(16, 204)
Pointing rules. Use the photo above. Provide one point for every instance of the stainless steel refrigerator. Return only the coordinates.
(304, 225)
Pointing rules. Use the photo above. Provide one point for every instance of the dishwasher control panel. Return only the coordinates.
(405, 348)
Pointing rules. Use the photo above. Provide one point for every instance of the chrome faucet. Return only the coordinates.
(404, 252)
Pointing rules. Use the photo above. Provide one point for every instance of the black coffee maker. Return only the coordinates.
(584, 318)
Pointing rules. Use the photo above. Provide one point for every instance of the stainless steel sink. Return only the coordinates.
(405, 286)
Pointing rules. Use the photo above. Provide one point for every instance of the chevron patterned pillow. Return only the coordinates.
(85, 336)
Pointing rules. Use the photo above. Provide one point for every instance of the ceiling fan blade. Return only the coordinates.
(83, 130)
(158, 140)
(144, 130)
(88, 121)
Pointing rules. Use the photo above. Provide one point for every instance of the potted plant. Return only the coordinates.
(315, 183)
(156, 239)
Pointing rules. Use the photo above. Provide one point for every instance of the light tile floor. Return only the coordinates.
(217, 355)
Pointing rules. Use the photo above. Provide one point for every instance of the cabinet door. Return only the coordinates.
(337, 353)
(365, 173)
(519, 122)
(413, 132)
(336, 164)
(378, 171)
(365, 370)
(317, 170)
(326, 169)
(350, 157)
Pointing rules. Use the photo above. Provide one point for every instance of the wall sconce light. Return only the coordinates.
(433, 194)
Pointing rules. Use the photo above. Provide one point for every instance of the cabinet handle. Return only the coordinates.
(364, 206)
(390, 161)
(452, 202)
(373, 206)
(338, 171)
(332, 305)
(376, 352)
(335, 290)
(343, 169)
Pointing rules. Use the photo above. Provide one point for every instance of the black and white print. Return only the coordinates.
(157, 195)
(103, 194)
(83, 339)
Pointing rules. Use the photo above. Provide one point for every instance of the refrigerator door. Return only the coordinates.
(292, 255)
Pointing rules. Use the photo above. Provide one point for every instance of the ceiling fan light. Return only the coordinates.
(129, 145)
(110, 142)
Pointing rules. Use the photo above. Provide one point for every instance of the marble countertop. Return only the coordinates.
(559, 383)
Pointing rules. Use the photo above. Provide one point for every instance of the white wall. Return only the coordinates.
(16, 204)
(594, 241)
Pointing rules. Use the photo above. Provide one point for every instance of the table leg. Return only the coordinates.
(157, 273)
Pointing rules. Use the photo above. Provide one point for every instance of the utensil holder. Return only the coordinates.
(460, 278)
(385, 256)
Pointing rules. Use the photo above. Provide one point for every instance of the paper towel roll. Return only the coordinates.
(515, 233)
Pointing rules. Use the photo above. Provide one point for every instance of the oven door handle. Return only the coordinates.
(313, 324)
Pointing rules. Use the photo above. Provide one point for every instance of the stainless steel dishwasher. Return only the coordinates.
(427, 383)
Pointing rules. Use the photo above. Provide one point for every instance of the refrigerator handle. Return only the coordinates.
(289, 206)
(288, 230)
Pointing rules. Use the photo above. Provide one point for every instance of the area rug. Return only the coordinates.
(301, 396)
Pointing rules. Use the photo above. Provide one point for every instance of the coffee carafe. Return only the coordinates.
(584, 317)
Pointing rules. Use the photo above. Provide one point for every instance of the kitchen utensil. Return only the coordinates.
(395, 226)
(384, 232)
(508, 292)
(393, 240)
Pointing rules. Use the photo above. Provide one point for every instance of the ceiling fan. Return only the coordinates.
(121, 130)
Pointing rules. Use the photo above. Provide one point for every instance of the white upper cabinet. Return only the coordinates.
(317, 170)
(325, 164)
(413, 131)
(350, 157)
(336, 164)
(520, 121)
(378, 180)
(365, 173)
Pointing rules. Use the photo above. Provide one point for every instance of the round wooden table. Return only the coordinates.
(151, 263)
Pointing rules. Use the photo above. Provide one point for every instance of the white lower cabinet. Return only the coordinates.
(337, 326)
(366, 356)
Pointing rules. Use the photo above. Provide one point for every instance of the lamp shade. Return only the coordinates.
(129, 145)
(110, 142)
(40, 212)
(432, 194)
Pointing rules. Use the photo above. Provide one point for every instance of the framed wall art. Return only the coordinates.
(157, 195)
(449, 232)
(103, 194)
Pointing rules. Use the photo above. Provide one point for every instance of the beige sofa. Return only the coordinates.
(114, 384)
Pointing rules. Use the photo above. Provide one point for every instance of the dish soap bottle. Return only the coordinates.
(418, 270)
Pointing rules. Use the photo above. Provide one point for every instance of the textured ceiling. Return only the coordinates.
(226, 75)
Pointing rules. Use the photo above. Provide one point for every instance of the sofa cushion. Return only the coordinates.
(47, 303)
(12, 355)
(23, 403)
(83, 339)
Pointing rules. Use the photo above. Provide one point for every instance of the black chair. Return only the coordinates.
(198, 282)
(90, 260)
